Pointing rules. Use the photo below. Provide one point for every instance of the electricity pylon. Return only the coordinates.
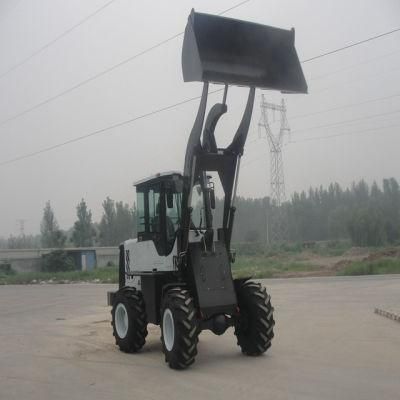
(277, 217)
(21, 225)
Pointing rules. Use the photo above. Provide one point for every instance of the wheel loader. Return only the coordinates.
(177, 272)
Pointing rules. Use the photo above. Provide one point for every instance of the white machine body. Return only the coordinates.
(143, 257)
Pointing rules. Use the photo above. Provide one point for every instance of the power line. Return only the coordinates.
(340, 108)
(105, 71)
(47, 45)
(103, 130)
(354, 65)
(119, 124)
(344, 134)
(233, 7)
(156, 111)
(348, 121)
(345, 106)
(377, 129)
(131, 58)
(352, 81)
(350, 45)
(85, 82)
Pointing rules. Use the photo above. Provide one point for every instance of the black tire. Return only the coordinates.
(181, 350)
(254, 328)
(129, 301)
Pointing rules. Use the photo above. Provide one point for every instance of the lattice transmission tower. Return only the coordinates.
(277, 221)
(21, 225)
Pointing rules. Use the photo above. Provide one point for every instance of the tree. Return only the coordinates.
(366, 227)
(57, 261)
(107, 224)
(23, 242)
(83, 231)
(391, 209)
(117, 224)
(125, 222)
(52, 236)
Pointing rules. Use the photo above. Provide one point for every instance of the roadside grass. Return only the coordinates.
(376, 267)
(327, 248)
(264, 267)
(331, 248)
(256, 266)
(252, 260)
(98, 275)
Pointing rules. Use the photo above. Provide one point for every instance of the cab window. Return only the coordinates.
(148, 211)
(154, 211)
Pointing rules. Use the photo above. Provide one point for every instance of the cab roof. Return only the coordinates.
(159, 177)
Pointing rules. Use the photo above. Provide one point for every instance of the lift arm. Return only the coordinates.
(230, 52)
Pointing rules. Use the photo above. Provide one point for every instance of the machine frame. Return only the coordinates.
(178, 274)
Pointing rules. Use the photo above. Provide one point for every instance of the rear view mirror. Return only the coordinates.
(170, 199)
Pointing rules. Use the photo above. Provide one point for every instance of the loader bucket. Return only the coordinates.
(234, 52)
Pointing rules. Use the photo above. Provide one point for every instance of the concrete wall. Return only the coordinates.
(29, 260)
(24, 260)
(105, 255)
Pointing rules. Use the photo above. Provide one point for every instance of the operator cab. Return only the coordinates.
(159, 209)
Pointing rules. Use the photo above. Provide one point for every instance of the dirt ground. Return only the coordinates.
(330, 265)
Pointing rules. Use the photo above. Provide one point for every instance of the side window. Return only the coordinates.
(154, 210)
(141, 222)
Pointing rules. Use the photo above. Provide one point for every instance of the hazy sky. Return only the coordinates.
(107, 164)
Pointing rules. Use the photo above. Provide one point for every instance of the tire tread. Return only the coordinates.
(184, 351)
(137, 331)
(254, 327)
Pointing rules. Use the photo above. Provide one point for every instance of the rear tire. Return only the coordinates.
(254, 328)
(129, 320)
(179, 329)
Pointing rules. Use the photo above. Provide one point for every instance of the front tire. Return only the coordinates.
(129, 320)
(179, 330)
(254, 328)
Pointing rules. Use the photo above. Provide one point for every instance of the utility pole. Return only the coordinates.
(21, 241)
(277, 218)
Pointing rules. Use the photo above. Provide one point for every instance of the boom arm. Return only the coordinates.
(232, 52)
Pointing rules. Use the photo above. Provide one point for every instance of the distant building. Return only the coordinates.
(86, 258)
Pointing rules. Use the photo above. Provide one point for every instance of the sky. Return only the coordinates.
(358, 139)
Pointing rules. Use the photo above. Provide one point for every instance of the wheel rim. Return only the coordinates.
(168, 329)
(121, 320)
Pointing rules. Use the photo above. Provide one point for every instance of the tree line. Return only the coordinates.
(367, 215)
(117, 223)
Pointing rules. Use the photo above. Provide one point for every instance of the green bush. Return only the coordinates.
(57, 261)
(291, 247)
(5, 269)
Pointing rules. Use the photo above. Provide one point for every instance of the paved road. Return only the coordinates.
(56, 343)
